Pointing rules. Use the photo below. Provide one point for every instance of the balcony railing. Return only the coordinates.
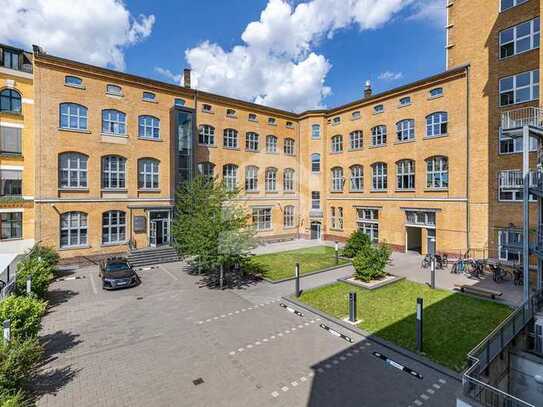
(483, 354)
(527, 116)
(513, 179)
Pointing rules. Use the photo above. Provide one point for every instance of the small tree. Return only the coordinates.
(370, 262)
(356, 242)
(209, 228)
(41, 272)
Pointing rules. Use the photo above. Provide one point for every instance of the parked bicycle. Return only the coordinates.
(441, 261)
(499, 273)
(518, 276)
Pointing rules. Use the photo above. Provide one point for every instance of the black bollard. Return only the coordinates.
(419, 324)
(337, 252)
(297, 280)
(352, 307)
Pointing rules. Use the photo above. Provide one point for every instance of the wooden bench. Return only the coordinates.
(479, 291)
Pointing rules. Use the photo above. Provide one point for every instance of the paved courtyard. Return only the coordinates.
(147, 345)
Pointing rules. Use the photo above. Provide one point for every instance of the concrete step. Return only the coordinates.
(151, 256)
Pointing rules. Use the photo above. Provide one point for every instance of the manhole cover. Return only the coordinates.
(198, 381)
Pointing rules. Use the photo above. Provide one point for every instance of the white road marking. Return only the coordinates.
(303, 379)
(430, 391)
(418, 402)
(170, 274)
(424, 397)
(284, 388)
(275, 394)
(442, 381)
(294, 384)
(436, 386)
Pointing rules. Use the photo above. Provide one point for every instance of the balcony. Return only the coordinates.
(514, 120)
(513, 179)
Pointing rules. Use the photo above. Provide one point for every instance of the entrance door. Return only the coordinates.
(315, 230)
(159, 228)
(152, 233)
(413, 239)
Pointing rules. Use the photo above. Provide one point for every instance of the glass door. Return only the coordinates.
(152, 233)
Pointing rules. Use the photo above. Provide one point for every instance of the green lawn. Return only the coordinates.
(453, 323)
(277, 266)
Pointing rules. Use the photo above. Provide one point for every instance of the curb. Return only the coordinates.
(402, 351)
(307, 274)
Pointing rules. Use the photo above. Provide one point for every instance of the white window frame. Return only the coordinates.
(337, 179)
(437, 124)
(113, 122)
(271, 144)
(288, 216)
(74, 111)
(356, 139)
(532, 86)
(113, 227)
(251, 141)
(405, 101)
(534, 37)
(405, 175)
(515, 4)
(75, 166)
(270, 179)
(315, 200)
(288, 180)
(405, 130)
(251, 178)
(437, 173)
(230, 175)
(315, 161)
(379, 135)
(230, 138)
(75, 224)
(262, 219)
(113, 172)
(206, 135)
(379, 176)
(368, 222)
(337, 143)
(510, 145)
(505, 252)
(206, 169)
(148, 173)
(315, 131)
(289, 146)
(357, 178)
(149, 127)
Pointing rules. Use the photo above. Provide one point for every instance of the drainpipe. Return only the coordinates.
(468, 158)
(526, 210)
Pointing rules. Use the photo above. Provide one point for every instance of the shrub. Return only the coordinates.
(370, 262)
(356, 242)
(13, 400)
(25, 315)
(48, 254)
(18, 360)
(40, 271)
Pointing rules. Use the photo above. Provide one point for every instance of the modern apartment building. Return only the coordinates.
(420, 164)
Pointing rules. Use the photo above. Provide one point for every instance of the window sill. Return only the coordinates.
(14, 156)
(435, 137)
(434, 97)
(149, 190)
(289, 192)
(375, 191)
(336, 152)
(207, 111)
(289, 227)
(336, 192)
(252, 192)
(115, 95)
(353, 119)
(251, 151)
(378, 113)
(405, 190)
(336, 230)
(272, 152)
(149, 101)
(231, 117)
(15, 115)
(405, 141)
(119, 243)
(290, 155)
(272, 124)
(355, 149)
(436, 190)
(232, 148)
(207, 145)
(73, 190)
(66, 248)
(71, 85)
(120, 190)
(407, 104)
(264, 230)
(272, 192)
(378, 146)
(74, 130)
(114, 135)
(253, 120)
(150, 139)
(358, 191)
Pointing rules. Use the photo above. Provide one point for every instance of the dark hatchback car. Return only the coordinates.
(117, 273)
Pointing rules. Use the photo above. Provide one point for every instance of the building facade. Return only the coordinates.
(422, 164)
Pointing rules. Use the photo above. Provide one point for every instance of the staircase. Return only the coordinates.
(152, 255)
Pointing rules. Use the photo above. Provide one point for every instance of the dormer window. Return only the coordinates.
(356, 115)
(230, 112)
(207, 108)
(405, 101)
(272, 121)
(336, 120)
(149, 96)
(436, 92)
(290, 125)
(179, 102)
(73, 81)
(252, 117)
(378, 109)
(114, 90)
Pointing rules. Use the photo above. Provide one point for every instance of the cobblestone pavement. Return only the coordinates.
(149, 345)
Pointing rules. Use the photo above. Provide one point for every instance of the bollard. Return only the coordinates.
(352, 307)
(419, 324)
(29, 285)
(337, 252)
(221, 277)
(7, 330)
(433, 272)
(297, 280)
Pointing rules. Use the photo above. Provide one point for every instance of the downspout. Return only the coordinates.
(468, 158)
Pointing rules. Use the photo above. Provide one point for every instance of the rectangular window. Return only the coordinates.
(420, 218)
(11, 225)
(11, 59)
(10, 140)
(519, 88)
(368, 223)
(336, 218)
(507, 4)
(510, 145)
(316, 132)
(262, 219)
(511, 185)
(509, 245)
(11, 182)
(520, 38)
(288, 217)
(315, 200)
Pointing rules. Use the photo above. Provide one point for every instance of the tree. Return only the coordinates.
(210, 229)
(356, 242)
(370, 262)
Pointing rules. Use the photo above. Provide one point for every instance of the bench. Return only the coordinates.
(479, 291)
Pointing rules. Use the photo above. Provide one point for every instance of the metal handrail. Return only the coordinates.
(500, 337)
(526, 116)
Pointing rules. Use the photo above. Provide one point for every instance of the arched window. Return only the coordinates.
(316, 131)
(288, 216)
(113, 227)
(206, 135)
(73, 116)
(356, 139)
(251, 178)
(271, 179)
(271, 144)
(337, 143)
(288, 180)
(289, 146)
(380, 181)
(405, 130)
(337, 179)
(437, 172)
(230, 138)
(113, 122)
(114, 90)
(405, 174)
(149, 127)
(315, 162)
(251, 141)
(379, 135)
(73, 229)
(73, 170)
(357, 178)
(436, 124)
(207, 170)
(230, 175)
(73, 81)
(148, 173)
(10, 101)
(113, 172)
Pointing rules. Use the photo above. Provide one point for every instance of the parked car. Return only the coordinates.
(116, 272)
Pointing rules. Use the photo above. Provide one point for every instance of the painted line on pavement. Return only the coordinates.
(236, 312)
(336, 333)
(398, 365)
(428, 394)
(170, 274)
(291, 310)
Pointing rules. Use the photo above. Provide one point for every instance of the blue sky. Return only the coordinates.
(291, 54)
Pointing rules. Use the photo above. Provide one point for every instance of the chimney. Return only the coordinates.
(367, 89)
(186, 78)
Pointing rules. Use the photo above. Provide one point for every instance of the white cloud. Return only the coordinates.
(276, 64)
(169, 74)
(433, 11)
(93, 31)
(390, 76)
